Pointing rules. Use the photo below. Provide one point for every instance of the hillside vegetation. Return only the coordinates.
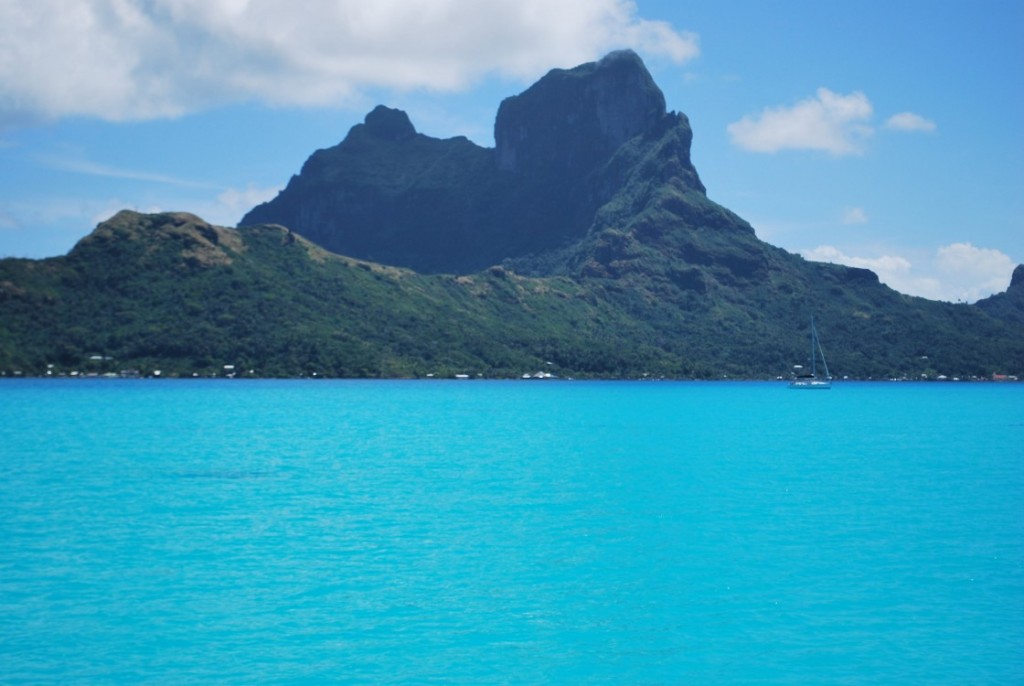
(169, 292)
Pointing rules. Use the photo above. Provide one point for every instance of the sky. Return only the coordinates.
(876, 134)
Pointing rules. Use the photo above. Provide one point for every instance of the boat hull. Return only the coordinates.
(811, 384)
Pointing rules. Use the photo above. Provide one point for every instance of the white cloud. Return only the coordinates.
(134, 59)
(974, 272)
(956, 272)
(908, 121)
(829, 122)
(233, 203)
(89, 168)
(855, 215)
(888, 264)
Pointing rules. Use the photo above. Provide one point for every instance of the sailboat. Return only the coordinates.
(812, 380)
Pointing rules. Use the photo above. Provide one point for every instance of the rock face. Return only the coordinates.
(1017, 280)
(391, 195)
(563, 151)
(573, 120)
(388, 124)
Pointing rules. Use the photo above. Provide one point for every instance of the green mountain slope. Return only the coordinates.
(173, 293)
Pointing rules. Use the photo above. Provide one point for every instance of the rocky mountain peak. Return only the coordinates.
(388, 124)
(1017, 280)
(572, 119)
(581, 150)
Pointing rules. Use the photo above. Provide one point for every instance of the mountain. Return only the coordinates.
(391, 195)
(582, 244)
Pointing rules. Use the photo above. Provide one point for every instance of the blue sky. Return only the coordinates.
(879, 134)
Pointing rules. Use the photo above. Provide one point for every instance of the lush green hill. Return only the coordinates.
(173, 293)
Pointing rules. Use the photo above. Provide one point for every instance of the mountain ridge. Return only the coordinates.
(452, 206)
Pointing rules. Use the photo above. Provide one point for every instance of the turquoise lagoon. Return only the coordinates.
(161, 531)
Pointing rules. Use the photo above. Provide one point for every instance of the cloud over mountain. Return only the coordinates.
(829, 122)
(128, 60)
(956, 272)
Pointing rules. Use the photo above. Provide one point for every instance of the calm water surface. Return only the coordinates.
(510, 532)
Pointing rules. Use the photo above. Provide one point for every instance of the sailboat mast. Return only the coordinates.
(828, 374)
(814, 339)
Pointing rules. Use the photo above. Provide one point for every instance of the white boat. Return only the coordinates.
(801, 379)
